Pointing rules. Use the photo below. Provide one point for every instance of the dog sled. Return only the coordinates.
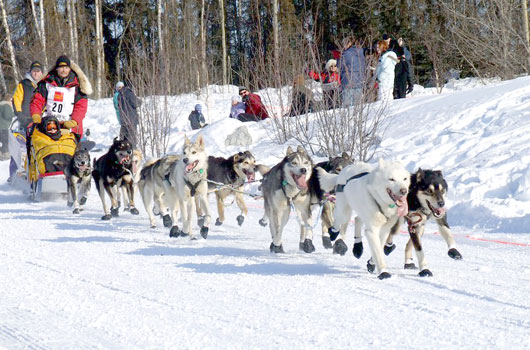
(50, 151)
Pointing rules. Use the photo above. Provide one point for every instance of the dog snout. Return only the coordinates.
(441, 204)
(303, 170)
(403, 191)
(186, 160)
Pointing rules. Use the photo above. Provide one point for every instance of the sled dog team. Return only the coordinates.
(383, 196)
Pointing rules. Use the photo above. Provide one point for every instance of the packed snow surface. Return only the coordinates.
(77, 282)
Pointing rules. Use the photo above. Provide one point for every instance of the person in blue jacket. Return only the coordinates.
(352, 66)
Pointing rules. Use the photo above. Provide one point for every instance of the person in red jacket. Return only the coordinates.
(62, 94)
(255, 110)
(330, 79)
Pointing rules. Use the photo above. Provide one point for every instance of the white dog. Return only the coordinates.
(188, 179)
(378, 194)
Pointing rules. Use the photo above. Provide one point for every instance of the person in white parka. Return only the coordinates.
(385, 71)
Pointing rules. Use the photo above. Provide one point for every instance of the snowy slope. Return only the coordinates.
(76, 282)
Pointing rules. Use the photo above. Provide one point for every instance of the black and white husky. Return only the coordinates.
(426, 199)
(286, 186)
(228, 176)
(78, 175)
(333, 166)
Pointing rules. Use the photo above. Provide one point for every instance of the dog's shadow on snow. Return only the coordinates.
(260, 268)
(89, 239)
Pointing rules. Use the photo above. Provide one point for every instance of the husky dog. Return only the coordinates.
(425, 200)
(286, 185)
(333, 166)
(188, 179)
(136, 161)
(153, 184)
(78, 174)
(233, 173)
(377, 193)
(111, 171)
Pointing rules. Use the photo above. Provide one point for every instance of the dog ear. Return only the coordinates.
(289, 150)
(438, 172)
(420, 175)
(200, 142)
(345, 156)
(236, 157)
(186, 140)
(300, 149)
(115, 140)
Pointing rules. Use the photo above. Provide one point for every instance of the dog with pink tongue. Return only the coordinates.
(378, 195)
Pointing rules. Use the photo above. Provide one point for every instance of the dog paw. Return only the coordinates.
(262, 222)
(174, 232)
(200, 221)
(218, 222)
(204, 232)
(358, 249)
(455, 254)
(389, 248)
(340, 247)
(370, 266)
(307, 246)
(76, 211)
(69, 204)
(326, 242)
(276, 248)
(115, 212)
(167, 220)
(134, 211)
(184, 234)
(333, 234)
(410, 266)
(106, 217)
(82, 201)
(240, 220)
(126, 208)
(384, 275)
(425, 273)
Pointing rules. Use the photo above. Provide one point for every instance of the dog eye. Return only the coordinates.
(294, 163)
(392, 179)
(429, 191)
(193, 152)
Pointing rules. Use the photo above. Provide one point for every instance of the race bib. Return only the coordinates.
(60, 102)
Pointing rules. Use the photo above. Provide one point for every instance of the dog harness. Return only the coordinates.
(340, 188)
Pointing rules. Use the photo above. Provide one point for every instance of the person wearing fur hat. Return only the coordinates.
(330, 83)
(24, 93)
(62, 94)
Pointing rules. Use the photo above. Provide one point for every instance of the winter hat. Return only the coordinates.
(119, 85)
(198, 107)
(330, 63)
(386, 36)
(236, 98)
(35, 65)
(241, 88)
(63, 61)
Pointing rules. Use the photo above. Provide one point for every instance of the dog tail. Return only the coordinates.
(262, 169)
(327, 181)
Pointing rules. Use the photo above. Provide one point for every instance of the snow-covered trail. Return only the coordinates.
(78, 282)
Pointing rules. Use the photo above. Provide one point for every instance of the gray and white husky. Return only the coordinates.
(154, 184)
(188, 179)
(286, 185)
(378, 194)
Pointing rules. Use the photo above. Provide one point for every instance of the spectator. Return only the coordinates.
(403, 82)
(63, 94)
(408, 55)
(196, 118)
(6, 116)
(352, 67)
(255, 110)
(385, 71)
(126, 105)
(330, 83)
(238, 107)
(301, 102)
(24, 93)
